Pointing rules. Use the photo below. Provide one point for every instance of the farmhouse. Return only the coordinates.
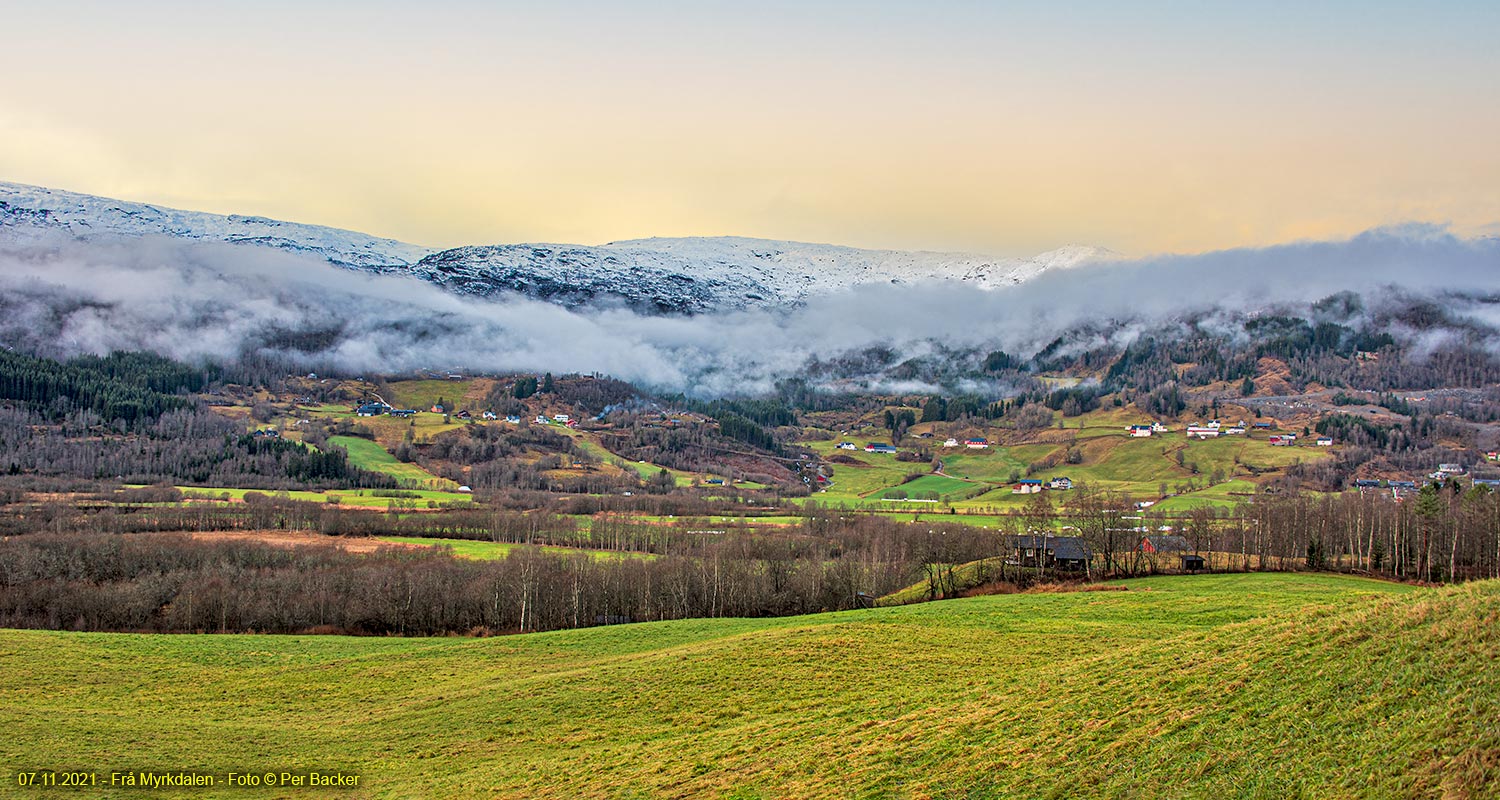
(1203, 431)
(489, 415)
(1325, 441)
(950, 443)
(513, 419)
(1070, 553)
(563, 418)
(372, 409)
(1157, 427)
(1026, 486)
(976, 443)
(1445, 471)
(848, 446)
(1163, 544)
(404, 413)
(1060, 483)
(1237, 430)
(1139, 431)
(879, 447)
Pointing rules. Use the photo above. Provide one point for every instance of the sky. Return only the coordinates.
(1003, 128)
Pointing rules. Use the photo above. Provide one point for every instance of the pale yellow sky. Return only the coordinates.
(952, 126)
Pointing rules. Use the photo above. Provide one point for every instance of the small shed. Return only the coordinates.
(1192, 562)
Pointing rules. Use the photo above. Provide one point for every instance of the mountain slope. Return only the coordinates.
(689, 275)
(727, 272)
(1262, 685)
(29, 208)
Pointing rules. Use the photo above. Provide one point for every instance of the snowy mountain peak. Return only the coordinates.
(660, 275)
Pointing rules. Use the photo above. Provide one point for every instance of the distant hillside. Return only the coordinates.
(1214, 686)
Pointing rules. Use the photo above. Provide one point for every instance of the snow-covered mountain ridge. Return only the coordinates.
(687, 275)
(88, 217)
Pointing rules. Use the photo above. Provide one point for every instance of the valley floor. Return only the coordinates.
(1273, 685)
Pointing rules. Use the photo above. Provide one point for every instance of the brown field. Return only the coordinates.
(353, 544)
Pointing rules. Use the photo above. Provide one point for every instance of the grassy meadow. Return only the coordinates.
(363, 498)
(369, 455)
(1225, 686)
(490, 551)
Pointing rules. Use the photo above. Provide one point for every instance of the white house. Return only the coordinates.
(1139, 431)
(1325, 441)
(1157, 427)
(563, 418)
(1202, 431)
(951, 443)
(976, 443)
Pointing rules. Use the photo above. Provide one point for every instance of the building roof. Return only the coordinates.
(1071, 548)
(1164, 544)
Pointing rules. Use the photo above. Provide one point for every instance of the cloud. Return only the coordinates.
(203, 300)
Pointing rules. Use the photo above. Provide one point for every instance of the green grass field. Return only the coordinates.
(421, 395)
(368, 455)
(1224, 686)
(489, 551)
(941, 484)
(364, 498)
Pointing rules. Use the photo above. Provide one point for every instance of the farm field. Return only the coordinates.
(1106, 459)
(1262, 685)
(489, 551)
(371, 456)
(365, 498)
(1224, 495)
(423, 394)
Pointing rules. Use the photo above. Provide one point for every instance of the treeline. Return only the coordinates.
(697, 447)
(120, 388)
(166, 582)
(183, 446)
(1445, 533)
